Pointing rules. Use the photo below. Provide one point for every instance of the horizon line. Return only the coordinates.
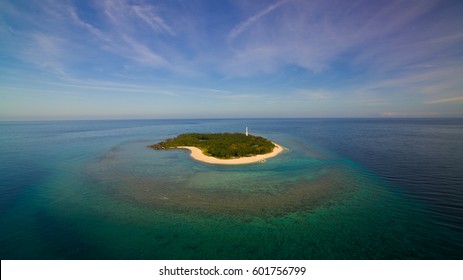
(230, 118)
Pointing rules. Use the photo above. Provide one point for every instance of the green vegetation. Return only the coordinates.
(220, 145)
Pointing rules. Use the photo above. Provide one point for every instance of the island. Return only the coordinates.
(223, 148)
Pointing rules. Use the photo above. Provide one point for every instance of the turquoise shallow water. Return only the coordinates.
(343, 189)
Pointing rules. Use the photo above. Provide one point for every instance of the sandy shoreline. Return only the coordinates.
(197, 154)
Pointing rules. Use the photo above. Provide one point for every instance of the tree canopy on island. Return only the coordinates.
(220, 145)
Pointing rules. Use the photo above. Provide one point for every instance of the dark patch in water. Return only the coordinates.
(59, 238)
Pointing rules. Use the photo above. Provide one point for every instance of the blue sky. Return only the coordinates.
(221, 59)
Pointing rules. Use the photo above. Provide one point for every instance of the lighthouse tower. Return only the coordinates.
(247, 131)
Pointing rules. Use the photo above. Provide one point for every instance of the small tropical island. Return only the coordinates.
(223, 148)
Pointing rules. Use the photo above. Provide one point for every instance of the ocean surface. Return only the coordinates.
(342, 189)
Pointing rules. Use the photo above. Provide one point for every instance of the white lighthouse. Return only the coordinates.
(247, 131)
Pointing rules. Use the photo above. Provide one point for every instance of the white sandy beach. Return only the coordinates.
(197, 154)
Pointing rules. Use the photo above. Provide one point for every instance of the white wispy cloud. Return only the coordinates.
(410, 114)
(140, 52)
(89, 27)
(455, 99)
(64, 35)
(319, 95)
(314, 34)
(242, 26)
(150, 17)
(47, 52)
(124, 39)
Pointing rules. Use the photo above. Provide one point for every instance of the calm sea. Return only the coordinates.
(342, 189)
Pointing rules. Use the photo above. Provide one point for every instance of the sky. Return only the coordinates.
(124, 59)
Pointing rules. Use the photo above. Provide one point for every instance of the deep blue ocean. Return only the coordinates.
(342, 189)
